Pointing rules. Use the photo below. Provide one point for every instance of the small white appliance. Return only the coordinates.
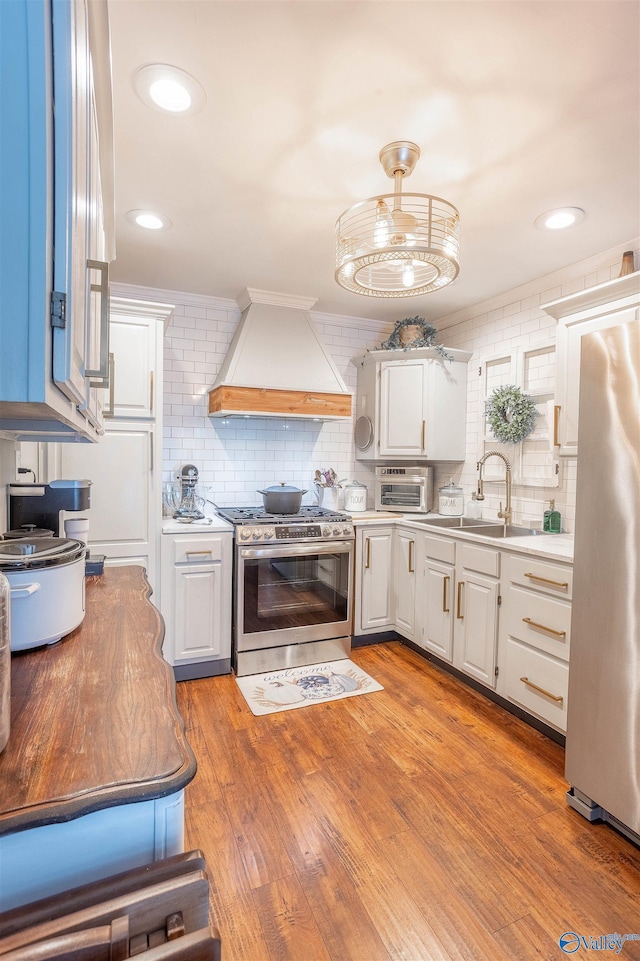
(407, 489)
(46, 582)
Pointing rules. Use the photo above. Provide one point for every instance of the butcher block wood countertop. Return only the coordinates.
(94, 721)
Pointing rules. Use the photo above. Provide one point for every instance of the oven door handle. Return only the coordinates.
(296, 550)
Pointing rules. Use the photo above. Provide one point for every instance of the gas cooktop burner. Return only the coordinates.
(257, 515)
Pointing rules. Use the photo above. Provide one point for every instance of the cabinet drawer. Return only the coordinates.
(542, 622)
(198, 549)
(545, 576)
(484, 560)
(544, 692)
(440, 548)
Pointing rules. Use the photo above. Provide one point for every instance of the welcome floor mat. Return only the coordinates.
(300, 686)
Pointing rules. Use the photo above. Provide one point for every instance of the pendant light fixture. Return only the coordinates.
(398, 245)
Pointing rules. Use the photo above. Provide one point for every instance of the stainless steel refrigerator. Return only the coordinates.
(603, 721)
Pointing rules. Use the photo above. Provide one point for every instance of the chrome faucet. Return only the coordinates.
(506, 513)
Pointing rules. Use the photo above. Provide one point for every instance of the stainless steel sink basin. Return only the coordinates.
(499, 530)
(474, 526)
(453, 522)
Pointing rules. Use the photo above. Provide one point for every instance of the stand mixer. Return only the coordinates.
(191, 503)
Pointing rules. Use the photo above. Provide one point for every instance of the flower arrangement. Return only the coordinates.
(413, 332)
(511, 414)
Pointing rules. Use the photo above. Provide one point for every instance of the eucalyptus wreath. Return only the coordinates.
(426, 337)
(510, 414)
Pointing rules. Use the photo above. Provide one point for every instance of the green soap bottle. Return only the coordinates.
(552, 520)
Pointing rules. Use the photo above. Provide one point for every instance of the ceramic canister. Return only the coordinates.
(355, 497)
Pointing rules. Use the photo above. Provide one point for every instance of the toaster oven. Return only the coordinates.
(406, 489)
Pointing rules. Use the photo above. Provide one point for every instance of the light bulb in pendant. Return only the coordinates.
(381, 229)
(408, 274)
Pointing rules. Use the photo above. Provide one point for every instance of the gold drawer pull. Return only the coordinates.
(368, 560)
(411, 567)
(541, 627)
(204, 553)
(544, 580)
(556, 421)
(445, 584)
(458, 614)
(558, 698)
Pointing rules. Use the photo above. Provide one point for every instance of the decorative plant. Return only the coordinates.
(425, 336)
(510, 414)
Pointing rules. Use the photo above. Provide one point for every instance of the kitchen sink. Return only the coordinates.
(453, 522)
(499, 530)
(474, 526)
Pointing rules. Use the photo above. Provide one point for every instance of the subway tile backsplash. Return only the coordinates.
(237, 456)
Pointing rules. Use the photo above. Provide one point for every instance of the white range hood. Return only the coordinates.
(277, 366)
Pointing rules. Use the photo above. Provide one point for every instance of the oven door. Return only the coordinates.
(405, 495)
(292, 594)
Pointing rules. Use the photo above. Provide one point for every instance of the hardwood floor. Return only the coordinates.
(420, 822)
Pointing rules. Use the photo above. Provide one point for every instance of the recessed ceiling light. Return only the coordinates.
(169, 89)
(148, 219)
(560, 218)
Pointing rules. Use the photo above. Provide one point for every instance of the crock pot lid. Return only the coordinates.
(28, 531)
(37, 548)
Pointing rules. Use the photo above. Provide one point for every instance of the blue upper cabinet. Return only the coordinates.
(56, 221)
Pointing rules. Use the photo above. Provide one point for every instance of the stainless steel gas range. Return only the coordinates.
(293, 576)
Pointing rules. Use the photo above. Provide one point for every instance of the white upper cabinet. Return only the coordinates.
(411, 404)
(58, 174)
(598, 308)
(135, 358)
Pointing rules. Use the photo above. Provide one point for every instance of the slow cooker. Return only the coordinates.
(46, 581)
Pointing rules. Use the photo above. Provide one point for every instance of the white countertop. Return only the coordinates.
(209, 525)
(553, 546)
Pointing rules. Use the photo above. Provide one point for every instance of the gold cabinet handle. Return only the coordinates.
(367, 564)
(445, 584)
(543, 580)
(424, 428)
(459, 615)
(556, 423)
(542, 627)
(558, 698)
(198, 553)
(411, 567)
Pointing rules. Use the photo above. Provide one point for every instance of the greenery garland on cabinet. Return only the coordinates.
(510, 414)
(413, 332)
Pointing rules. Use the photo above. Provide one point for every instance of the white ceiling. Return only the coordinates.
(517, 107)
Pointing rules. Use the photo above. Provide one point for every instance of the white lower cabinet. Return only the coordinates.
(196, 603)
(373, 597)
(435, 605)
(476, 621)
(458, 605)
(501, 617)
(535, 637)
(407, 548)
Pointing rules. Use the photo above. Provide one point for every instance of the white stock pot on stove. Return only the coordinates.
(46, 581)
